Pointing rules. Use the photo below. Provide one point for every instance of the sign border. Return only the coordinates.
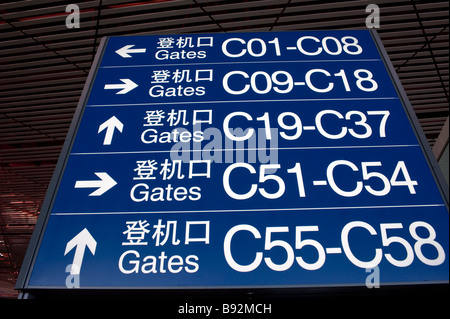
(415, 124)
(22, 282)
(41, 224)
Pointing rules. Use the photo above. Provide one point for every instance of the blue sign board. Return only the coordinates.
(242, 160)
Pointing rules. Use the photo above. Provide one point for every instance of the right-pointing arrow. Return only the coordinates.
(126, 86)
(103, 185)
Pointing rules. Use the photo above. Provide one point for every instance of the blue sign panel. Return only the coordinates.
(243, 160)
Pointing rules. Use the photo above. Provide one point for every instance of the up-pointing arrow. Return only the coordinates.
(126, 86)
(103, 185)
(110, 125)
(81, 241)
(125, 51)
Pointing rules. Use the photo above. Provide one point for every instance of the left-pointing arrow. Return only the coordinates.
(103, 185)
(125, 51)
(126, 86)
(81, 241)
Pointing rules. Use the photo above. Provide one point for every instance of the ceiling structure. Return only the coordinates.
(44, 65)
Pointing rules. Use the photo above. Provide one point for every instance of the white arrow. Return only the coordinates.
(110, 125)
(126, 87)
(104, 184)
(80, 241)
(124, 51)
